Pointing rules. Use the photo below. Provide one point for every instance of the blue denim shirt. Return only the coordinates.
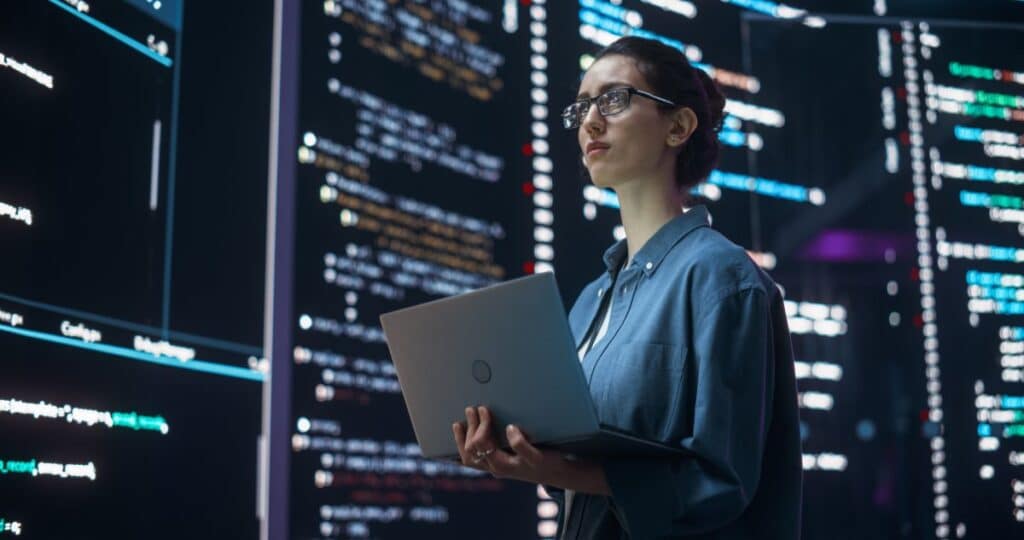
(697, 354)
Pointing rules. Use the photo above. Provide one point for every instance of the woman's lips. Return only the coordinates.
(596, 148)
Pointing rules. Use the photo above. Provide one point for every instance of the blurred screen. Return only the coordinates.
(871, 163)
(431, 161)
(412, 178)
(132, 211)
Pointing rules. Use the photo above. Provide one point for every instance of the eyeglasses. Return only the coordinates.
(609, 103)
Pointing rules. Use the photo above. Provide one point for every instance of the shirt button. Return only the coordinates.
(649, 265)
(600, 292)
(625, 289)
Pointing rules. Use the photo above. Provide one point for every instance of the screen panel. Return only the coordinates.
(918, 137)
(413, 163)
(396, 98)
(133, 216)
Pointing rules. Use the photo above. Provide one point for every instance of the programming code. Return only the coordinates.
(920, 248)
(409, 189)
(445, 169)
(871, 163)
(130, 312)
(973, 105)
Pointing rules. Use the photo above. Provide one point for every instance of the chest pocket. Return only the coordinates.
(639, 388)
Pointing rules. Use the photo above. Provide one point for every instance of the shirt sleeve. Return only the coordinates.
(733, 356)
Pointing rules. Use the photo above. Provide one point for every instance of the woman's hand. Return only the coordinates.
(479, 448)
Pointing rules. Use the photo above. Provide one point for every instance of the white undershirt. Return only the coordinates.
(583, 350)
(587, 343)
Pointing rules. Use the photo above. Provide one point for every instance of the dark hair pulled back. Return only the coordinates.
(670, 75)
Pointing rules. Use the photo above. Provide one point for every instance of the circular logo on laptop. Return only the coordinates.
(481, 371)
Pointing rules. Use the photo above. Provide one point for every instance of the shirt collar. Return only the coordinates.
(654, 251)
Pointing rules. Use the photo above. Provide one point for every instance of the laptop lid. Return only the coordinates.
(508, 347)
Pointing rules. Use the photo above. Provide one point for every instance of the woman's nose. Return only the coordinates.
(593, 122)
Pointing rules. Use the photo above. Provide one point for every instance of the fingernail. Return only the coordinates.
(510, 429)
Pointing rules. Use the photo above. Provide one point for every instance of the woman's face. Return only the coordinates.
(629, 145)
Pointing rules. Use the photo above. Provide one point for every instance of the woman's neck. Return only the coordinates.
(645, 206)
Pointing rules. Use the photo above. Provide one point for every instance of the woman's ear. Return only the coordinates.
(684, 122)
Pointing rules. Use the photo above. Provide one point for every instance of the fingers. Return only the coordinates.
(459, 431)
(484, 432)
(524, 461)
(472, 423)
(466, 455)
(481, 439)
(522, 447)
(503, 464)
(478, 440)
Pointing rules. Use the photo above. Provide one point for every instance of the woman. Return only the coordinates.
(683, 339)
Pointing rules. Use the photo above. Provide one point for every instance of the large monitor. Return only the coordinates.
(916, 128)
(429, 159)
(133, 188)
(412, 171)
(205, 206)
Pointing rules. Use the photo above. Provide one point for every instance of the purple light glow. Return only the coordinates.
(839, 245)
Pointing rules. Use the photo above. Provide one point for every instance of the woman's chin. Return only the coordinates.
(600, 181)
(598, 178)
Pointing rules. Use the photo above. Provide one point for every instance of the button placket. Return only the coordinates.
(627, 283)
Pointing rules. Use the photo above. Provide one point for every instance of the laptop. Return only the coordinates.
(507, 347)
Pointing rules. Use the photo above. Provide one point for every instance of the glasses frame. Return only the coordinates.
(574, 119)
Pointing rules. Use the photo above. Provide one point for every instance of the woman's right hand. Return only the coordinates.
(475, 438)
(480, 449)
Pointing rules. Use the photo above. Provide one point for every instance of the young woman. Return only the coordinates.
(683, 340)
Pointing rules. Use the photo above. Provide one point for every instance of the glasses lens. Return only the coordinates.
(613, 101)
(573, 114)
(569, 117)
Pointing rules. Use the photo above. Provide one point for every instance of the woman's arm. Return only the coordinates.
(733, 359)
(479, 449)
(733, 351)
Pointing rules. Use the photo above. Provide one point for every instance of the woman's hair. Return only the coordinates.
(671, 76)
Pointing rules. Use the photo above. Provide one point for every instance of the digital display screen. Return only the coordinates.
(413, 114)
(917, 139)
(412, 173)
(872, 157)
(132, 212)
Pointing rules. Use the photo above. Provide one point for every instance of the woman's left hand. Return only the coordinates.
(479, 448)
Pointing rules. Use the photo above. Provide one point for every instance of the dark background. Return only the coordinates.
(79, 156)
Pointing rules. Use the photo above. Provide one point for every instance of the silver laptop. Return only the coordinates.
(508, 347)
